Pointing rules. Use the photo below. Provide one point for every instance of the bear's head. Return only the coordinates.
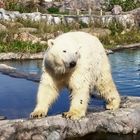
(62, 55)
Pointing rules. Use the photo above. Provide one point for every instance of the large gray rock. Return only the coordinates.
(125, 120)
(127, 18)
(117, 9)
(20, 56)
(26, 37)
(99, 32)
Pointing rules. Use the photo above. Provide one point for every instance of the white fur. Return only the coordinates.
(92, 71)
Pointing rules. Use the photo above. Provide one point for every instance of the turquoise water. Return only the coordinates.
(17, 96)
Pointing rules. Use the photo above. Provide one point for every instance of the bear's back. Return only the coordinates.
(84, 40)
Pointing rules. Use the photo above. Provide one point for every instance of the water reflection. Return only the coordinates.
(29, 66)
(106, 136)
(17, 97)
(126, 74)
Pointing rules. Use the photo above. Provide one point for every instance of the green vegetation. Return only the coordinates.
(30, 6)
(53, 10)
(123, 38)
(24, 7)
(16, 6)
(126, 5)
(9, 44)
(43, 28)
(115, 27)
(23, 47)
(119, 35)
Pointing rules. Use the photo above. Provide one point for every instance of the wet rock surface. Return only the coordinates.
(122, 121)
(20, 56)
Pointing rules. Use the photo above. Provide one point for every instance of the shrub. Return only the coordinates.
(128, 37)
(53, 10)
(23, 47)
(115, 27)
(126, 5)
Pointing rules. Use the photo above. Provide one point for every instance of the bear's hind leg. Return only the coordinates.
(107, 89)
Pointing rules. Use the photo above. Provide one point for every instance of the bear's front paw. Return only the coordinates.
(38, 114)
(113, 105)
(74, 115)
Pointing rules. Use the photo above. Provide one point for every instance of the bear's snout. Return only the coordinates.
(72, 64)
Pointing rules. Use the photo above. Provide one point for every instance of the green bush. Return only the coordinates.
(116, 27)
(127, 37)
(15, 5)
(53, 10)
(23, 47)
(126, 5)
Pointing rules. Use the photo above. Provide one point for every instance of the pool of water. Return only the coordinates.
(106, 136)
(17, 96)
(126, 71)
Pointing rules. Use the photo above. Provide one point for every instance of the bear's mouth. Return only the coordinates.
(59, 70)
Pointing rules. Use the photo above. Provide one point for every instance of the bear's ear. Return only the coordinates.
(50, 42)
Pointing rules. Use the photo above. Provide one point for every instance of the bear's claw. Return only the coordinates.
(38, 114)
(72, 115)
(113, 104)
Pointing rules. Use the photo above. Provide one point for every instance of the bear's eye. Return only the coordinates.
(76, 52)
(64, 51)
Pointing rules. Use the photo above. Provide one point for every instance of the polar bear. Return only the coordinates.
(78, 61)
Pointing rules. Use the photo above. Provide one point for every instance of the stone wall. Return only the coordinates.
(126, 18)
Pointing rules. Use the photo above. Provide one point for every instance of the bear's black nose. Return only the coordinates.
(72, 64)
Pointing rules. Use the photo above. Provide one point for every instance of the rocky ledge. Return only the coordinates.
(28, 56)
(125, 18)
(20, 56)
(122, 121)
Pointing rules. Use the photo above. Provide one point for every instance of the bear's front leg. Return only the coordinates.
(79, 104)
(47, 93)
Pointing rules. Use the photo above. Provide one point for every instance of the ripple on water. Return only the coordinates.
(125, 70)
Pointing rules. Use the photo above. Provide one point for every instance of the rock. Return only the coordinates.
(9, 56)
(127, 18)
(125, 120)
(117, 9)
(48, 0)
(109, 51)
(57, 20)
(99, 32)
(129, 46)
(11, 71)
(24, 36)
(2, 10)
(85, 19)
(2, 4)
(2, 118)
(50, 19)
(13, 24)
(43, 42)
(2, 28)
(27, 29)
(20, 56)
(54, 136)
(4, 66)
